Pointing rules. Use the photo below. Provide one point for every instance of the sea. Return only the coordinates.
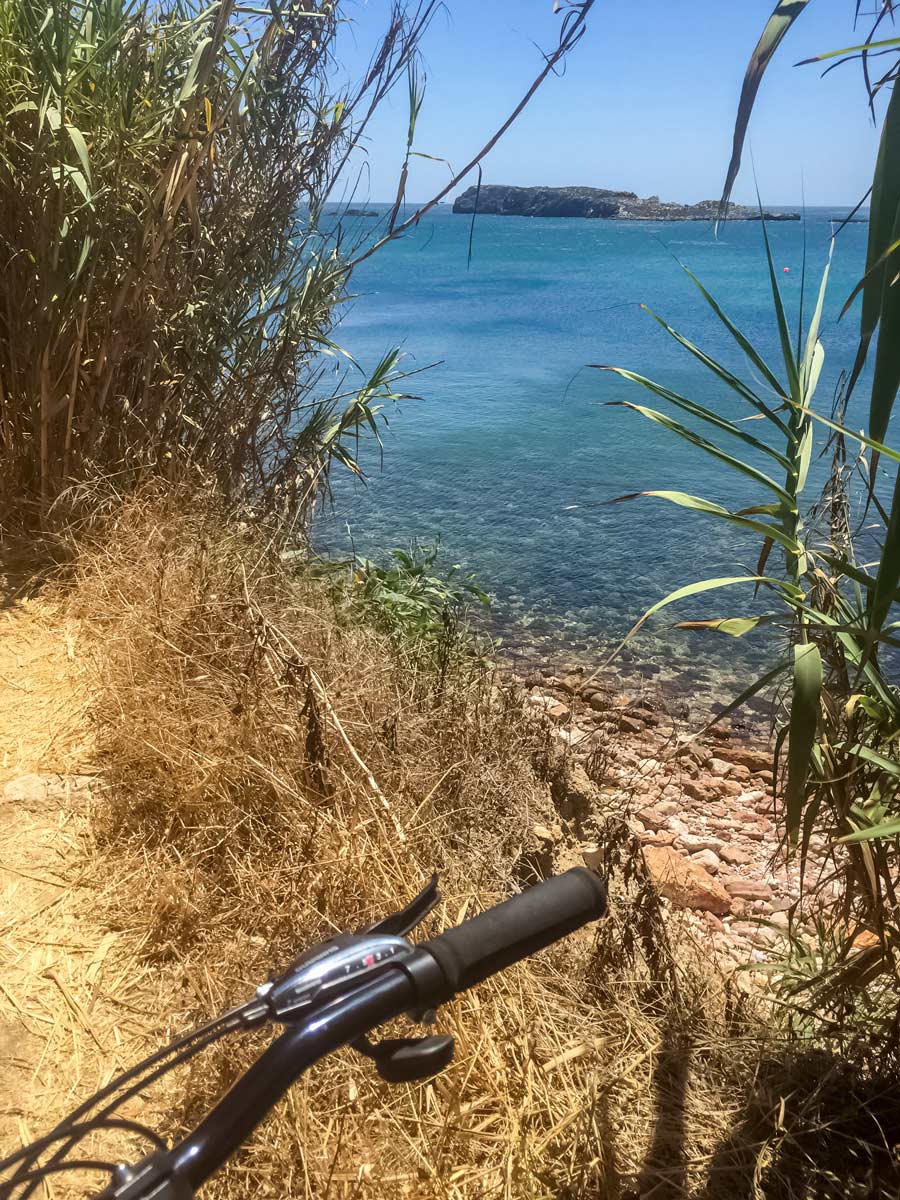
(516, 448)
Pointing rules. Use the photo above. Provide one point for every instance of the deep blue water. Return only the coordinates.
(514, 426)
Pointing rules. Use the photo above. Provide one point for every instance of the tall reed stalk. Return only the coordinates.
(167, 291)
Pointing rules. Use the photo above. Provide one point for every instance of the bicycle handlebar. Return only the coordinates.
(434, 972)
(520, 926)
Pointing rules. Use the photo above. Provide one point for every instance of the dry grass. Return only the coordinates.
(72, 1004)
(274, 773)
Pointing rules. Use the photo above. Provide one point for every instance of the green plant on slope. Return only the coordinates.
(837, 762)
(410, 596)
(776, 518)
(837, 757)
(864, 785)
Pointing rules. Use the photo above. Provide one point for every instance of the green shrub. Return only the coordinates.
(410, 597)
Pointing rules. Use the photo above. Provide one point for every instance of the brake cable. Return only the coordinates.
(183, 1048)
(71, 1130)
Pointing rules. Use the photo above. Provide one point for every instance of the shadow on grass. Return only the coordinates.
(814, 1125)
(26, 562)
(664, 1171)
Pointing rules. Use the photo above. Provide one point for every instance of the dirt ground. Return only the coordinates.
(68, 1017)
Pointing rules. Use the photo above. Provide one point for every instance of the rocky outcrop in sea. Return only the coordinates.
(503, 201)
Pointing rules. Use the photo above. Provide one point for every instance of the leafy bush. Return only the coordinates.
(410, 597)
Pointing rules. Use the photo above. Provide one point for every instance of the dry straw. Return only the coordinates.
(276, 772)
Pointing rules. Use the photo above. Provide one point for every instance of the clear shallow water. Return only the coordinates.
(515, 427)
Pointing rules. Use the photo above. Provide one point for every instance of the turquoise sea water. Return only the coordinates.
(514, 427)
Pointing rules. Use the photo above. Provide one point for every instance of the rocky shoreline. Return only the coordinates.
(598, 203)
(700, 809)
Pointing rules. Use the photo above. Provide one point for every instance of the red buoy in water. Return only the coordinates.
(787, 270)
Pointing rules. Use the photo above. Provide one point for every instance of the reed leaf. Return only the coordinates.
(736, 384)
(782, 18)
(802, 732)
(700, 411)
(787, 347)
(879, 760)
(734, 626)
(711, 509)
(883, 209)
(753, 355)
(701, 443)
(861, 48)
(887, 578)
(887, 829)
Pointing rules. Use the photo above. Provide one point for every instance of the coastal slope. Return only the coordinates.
(501, 200)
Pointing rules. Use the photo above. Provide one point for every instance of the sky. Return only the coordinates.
(646, 103)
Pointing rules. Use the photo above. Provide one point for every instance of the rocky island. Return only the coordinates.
(503, 201)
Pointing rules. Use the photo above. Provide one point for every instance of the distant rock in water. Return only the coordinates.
(503, 201)
(361, 212)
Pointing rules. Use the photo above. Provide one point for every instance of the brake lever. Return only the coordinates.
(401, 923)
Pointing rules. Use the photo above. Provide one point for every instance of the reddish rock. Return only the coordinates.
(748, 816)
(747, 889)
(691, 752)
(653, 837)
(693, 842)
(734, 855)
(598, 720)
(652, 817)
(753, 760)
(645, 715)
(724, 824)
(630, 724)
(600, 702)
(699, 789)
(708, 859)
(865, 939)
(587, 687)
(729, 787)
(685, 883)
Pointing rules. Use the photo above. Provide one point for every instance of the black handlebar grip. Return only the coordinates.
(518, 927)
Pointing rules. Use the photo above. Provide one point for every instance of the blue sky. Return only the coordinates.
(646, 103)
